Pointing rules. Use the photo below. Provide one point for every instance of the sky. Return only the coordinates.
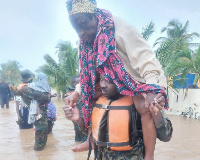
(29, 29)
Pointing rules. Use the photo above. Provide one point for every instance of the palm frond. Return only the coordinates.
(148, 30)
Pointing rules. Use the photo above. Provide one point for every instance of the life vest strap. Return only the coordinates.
(108, 107)
(110, 144)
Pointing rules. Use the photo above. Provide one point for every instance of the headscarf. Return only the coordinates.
(103, 55)
(81, 6)
(41, 84)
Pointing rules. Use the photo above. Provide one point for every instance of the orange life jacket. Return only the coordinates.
(21, 86)
(115, 120)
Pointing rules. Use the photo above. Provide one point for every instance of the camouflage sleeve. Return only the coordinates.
(164, 130)
(82, 128)
(31, 94)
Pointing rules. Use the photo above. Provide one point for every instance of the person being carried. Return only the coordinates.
(37, 96)
(110, 46)
(116, 125)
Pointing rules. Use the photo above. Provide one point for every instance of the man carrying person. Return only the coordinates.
(36, 96)
(116, 125)
(112, 47)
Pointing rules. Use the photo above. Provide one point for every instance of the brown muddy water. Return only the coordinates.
(17, 144)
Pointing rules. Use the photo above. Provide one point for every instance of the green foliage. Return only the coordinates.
(175, 52)
(11, 72)
(148, 30)
(60, 73)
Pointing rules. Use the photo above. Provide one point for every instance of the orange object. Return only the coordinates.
(118, 118)
(21, 86)
(69, 93)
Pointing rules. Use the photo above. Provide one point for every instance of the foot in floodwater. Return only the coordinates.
(37, 148)
(83, 146)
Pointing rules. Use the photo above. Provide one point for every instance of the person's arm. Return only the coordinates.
(140, 57)
(33, 94)
(73, 114)
(163, 127)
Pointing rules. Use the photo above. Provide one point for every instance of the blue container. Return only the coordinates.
(179, 82)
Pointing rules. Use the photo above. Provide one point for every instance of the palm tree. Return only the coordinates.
(148, 30)
(186, 63)
(175, 52)
(175, 30)
(60, 73)
(68, 58)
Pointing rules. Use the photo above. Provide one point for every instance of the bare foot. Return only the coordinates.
(83, 146)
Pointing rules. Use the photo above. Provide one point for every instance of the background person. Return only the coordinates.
(22, 109)
(38, 112)
(5, 93)
(35, 94)
(51, 114)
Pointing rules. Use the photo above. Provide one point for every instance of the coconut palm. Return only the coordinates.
(68, 58)
(185, 62)
(60, 73)
(176, 30)
(178, 40)
(175, 52)
(148, 30)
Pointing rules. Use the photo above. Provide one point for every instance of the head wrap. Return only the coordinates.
(41, 84)
(102, 54)
(81, 6)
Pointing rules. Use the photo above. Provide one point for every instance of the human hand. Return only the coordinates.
(72, 113)
(71, 99)
(155, 102)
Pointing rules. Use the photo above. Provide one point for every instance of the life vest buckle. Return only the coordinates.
(106, 107)
(107, 145)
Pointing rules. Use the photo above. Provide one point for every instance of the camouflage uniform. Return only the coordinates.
(164, 133)
(80, 136)
(41, 129)
(41, 124)
(164, 130)
(135, 154)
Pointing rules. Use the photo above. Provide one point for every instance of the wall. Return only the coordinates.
(186, 103)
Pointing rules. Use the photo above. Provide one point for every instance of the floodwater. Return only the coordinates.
(18, 144)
